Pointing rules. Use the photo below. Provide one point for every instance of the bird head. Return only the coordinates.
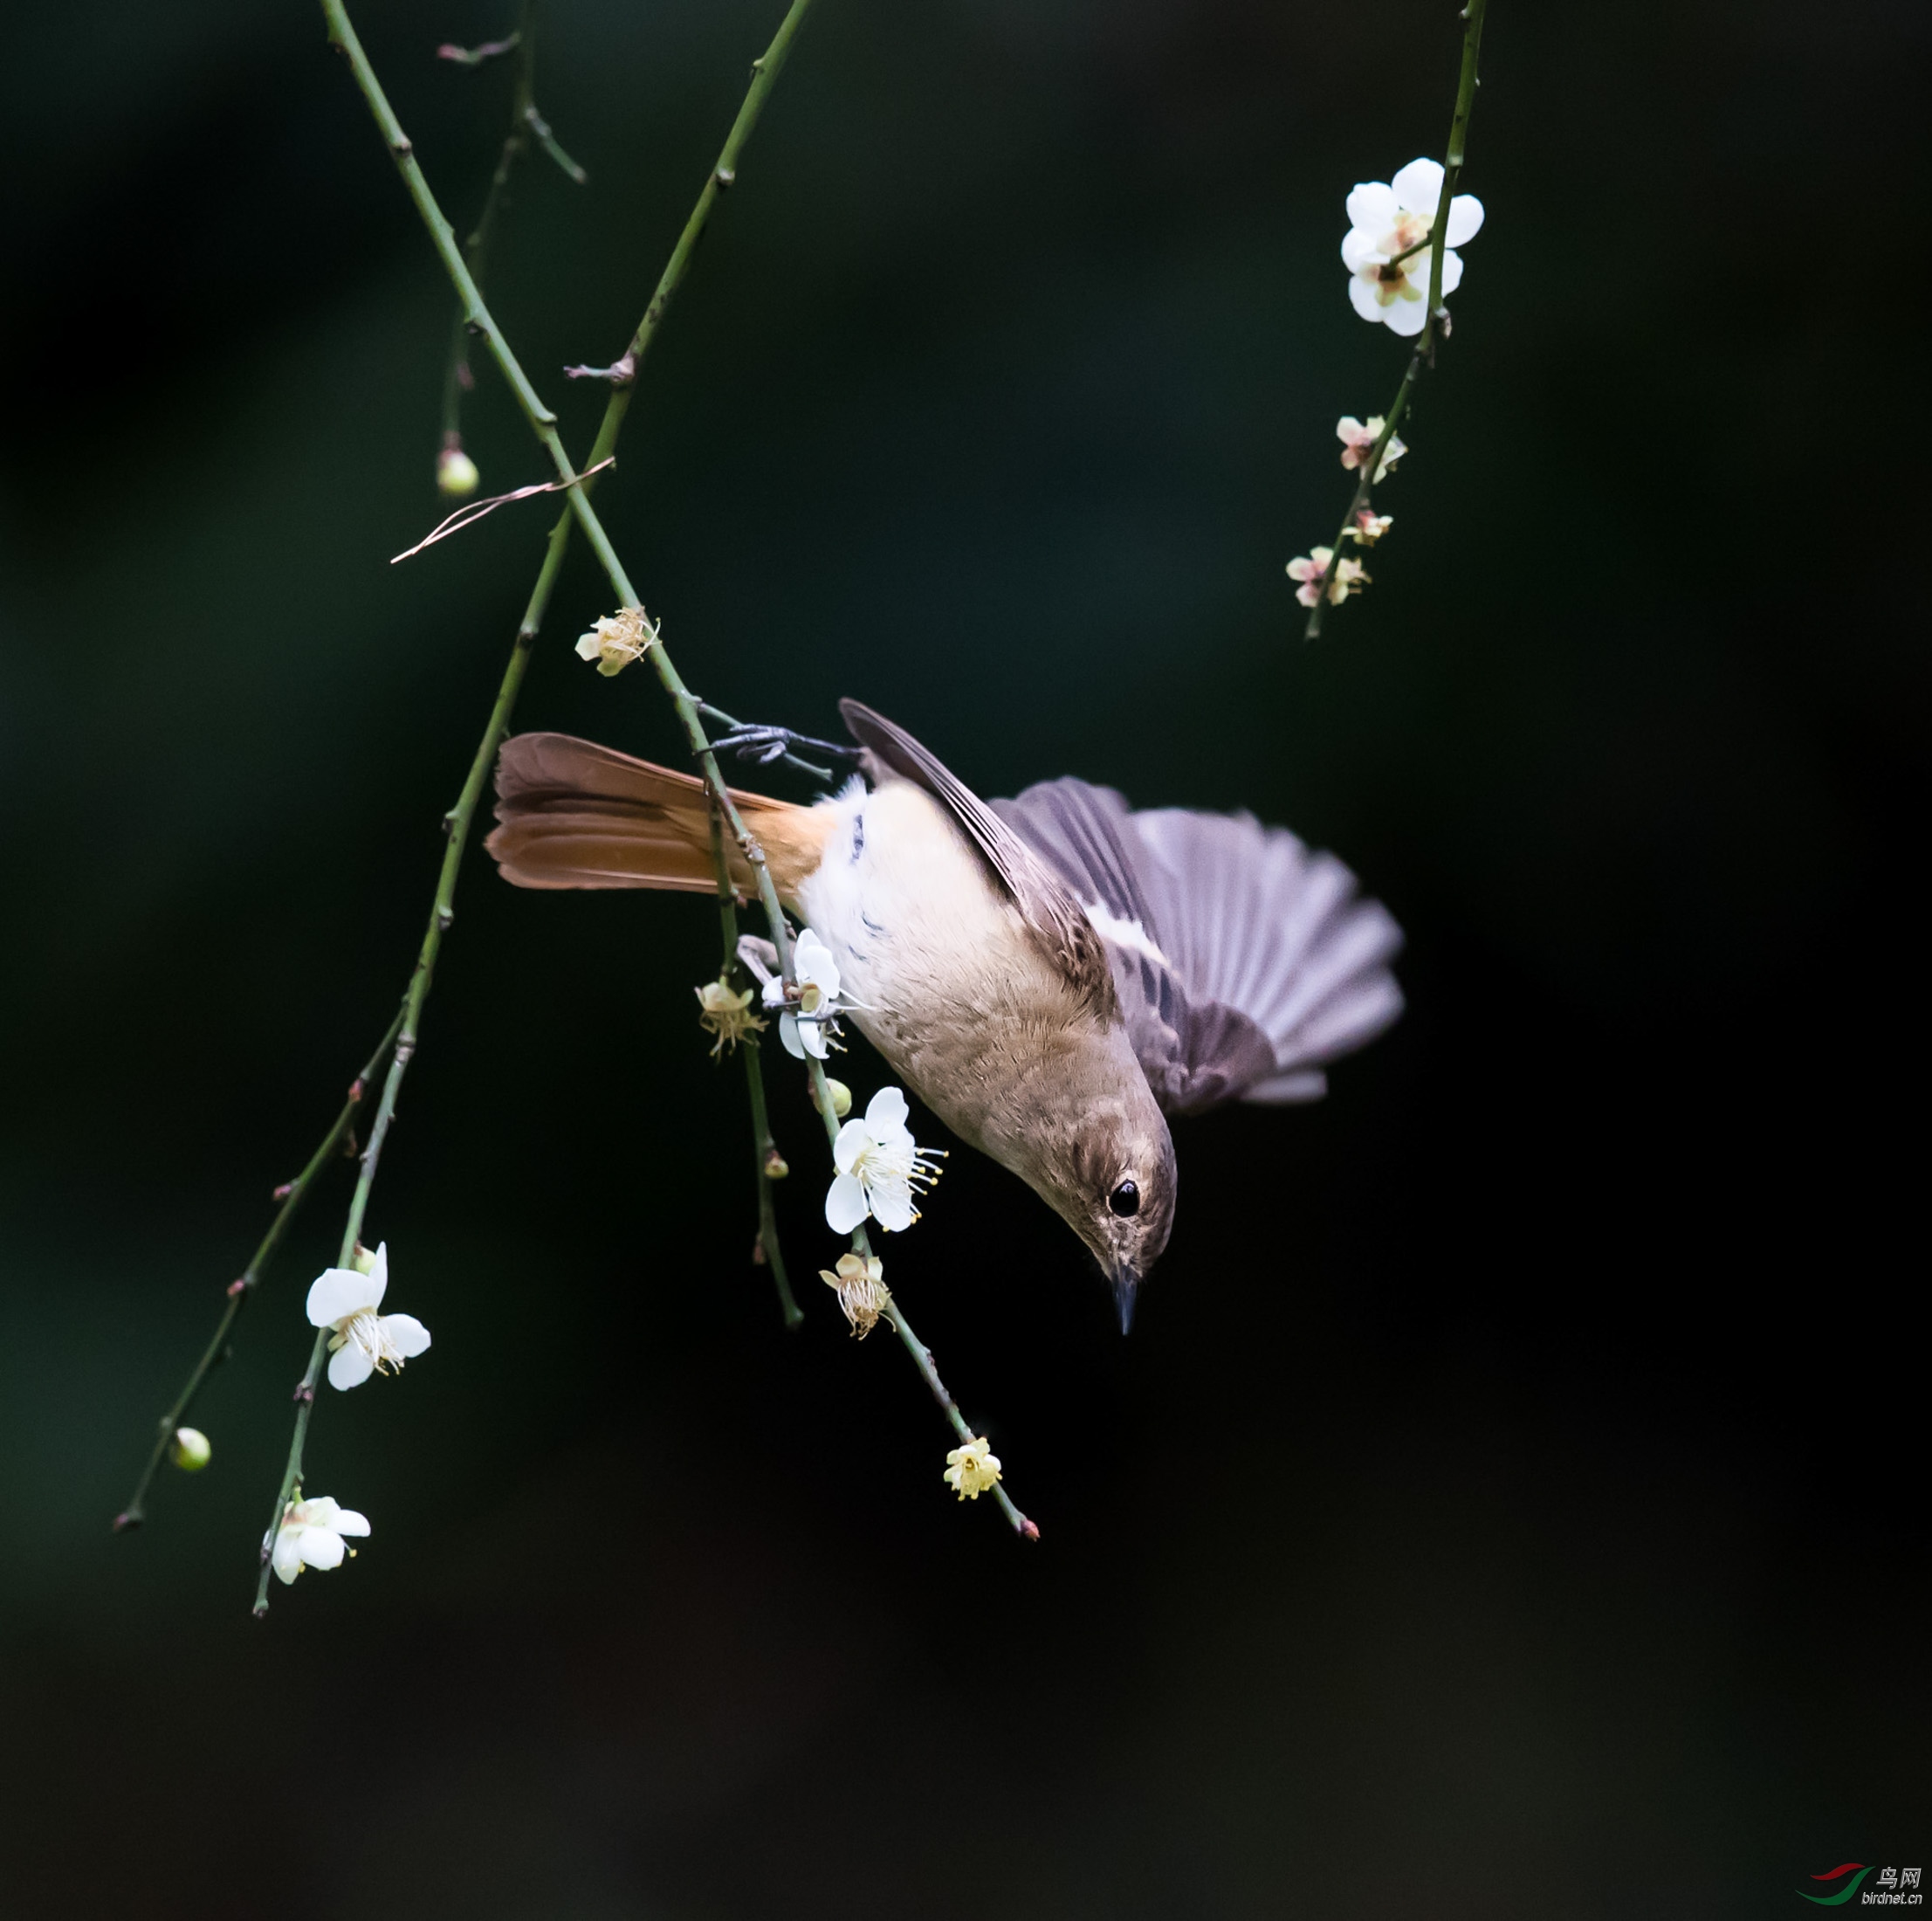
(1096, 1149)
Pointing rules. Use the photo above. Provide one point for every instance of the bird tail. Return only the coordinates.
(573, 814)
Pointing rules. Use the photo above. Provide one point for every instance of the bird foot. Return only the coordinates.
(762, 746)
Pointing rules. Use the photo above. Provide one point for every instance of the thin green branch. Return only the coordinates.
(456, 825)
(723, 173)
(922, 1355)
(1424, 346)
(764, 1148)
(543, 424)
(291, 1196)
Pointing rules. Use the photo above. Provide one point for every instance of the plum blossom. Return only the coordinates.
(880, 1168)
(1348, 577)
(972, 1470)
(803, 1020)
(1386, 218)
(366, 1343)
(1367, 527)
(1358, 438)
(617, 639)
(860, 1285)
(311, 1535)
(725, 1014)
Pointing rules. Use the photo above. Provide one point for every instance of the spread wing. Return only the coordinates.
(1243, 962)
(1056, 920)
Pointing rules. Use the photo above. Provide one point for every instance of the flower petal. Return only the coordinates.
(891, 1205)
(319, 1547)
(336, 1293)
(407, 1334)
(1362, 298)
(1418, 186)
(348, 1521)
(379, 1274)
(319, 1512)
(1359, 249)
(854, 1139)
(885, 1115)
(1372, 206)
(1465, 219)
(589, 647)
(1452, 271)
(845, 1204)
(1406, 317)
(811, 1035)
(788, 1032)
(287, 1554)
(349, 1367)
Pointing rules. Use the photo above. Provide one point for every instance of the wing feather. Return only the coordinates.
(1057, 921)
(1244, 961)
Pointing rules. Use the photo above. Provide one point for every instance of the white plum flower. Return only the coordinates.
(311, 1535)
(366, 1343)
(880, 1168)
(1386, 218)
(802, 1022)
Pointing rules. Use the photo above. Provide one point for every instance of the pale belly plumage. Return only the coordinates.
(938, 966)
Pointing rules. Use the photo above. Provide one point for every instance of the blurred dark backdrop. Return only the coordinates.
(1511, 1502)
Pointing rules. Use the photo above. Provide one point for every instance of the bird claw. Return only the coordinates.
(764, 746)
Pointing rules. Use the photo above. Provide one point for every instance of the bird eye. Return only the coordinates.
(1124, 1200)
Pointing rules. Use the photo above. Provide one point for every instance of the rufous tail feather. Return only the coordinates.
(573, 814)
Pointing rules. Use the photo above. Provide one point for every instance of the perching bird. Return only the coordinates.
(1052, 975)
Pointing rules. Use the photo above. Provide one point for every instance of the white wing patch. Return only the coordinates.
(1128, 935)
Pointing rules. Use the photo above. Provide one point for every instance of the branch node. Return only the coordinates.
(401, 147)
(444, 916)
(240, 1286)
(283, 1192)
(305, 1393)
(725, 176)
(404, 1049)
(127, 1519)
(620, 372)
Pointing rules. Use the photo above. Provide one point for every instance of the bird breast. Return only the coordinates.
(941, 973)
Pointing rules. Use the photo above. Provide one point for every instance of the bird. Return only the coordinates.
(1056, 976)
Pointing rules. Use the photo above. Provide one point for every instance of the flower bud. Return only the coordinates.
(455, 474)
(362, 1261)
(842, 1098)
(776, 1166)
(190, 1449)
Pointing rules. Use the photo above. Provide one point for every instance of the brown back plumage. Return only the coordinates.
(573, 814)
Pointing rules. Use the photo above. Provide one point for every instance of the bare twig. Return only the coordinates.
(290, 1195)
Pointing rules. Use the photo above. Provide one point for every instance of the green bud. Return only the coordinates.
(362, 1261)
(455, 474)
(776, 1166)
(190, 1449)
(842, 1096)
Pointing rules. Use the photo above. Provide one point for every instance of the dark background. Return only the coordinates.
(1511, 1501)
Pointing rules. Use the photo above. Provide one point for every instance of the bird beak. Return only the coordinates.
(1125, 1281)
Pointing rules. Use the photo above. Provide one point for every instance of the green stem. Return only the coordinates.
(291, 1196)
(765, 72)
(543, 424)
(763, 1147)
(457, 825)
(1424, 346)
(922, 1355)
